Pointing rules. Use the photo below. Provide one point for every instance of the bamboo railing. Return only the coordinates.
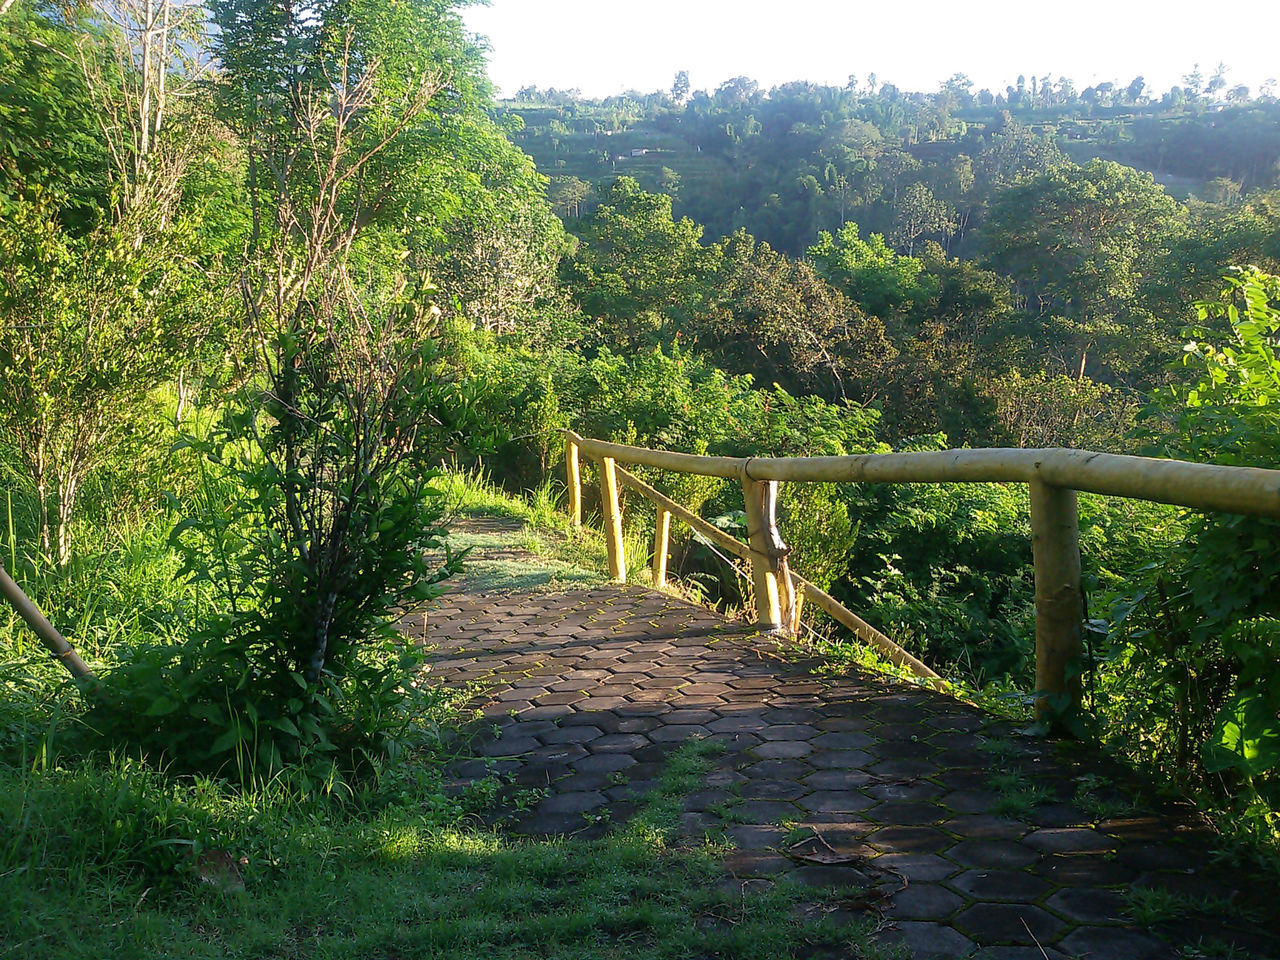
(1054, 477)
(53, 641)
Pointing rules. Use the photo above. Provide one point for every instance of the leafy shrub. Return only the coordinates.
(1195, 672)
(213, 704)
(945, 569)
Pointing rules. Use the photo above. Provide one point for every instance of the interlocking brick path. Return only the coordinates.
(828, 779)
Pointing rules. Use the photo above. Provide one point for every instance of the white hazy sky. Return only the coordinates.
(604, 46)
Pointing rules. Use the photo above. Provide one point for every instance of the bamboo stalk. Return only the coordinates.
(661, 540)
(1246, 490)
(1055, 545)
(612, 520)
(867, 633)
(54, 642)
(764, 573)
(574, 481)
(710, 531)
(797, 610)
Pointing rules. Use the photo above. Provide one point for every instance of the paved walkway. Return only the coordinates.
(839, 780)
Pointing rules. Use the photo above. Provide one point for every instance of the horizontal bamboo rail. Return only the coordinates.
(1201, 486)
(1054, 477)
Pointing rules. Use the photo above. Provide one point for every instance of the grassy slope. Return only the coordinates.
(98, 855)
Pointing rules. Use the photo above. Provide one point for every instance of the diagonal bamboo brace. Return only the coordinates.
(54, 642)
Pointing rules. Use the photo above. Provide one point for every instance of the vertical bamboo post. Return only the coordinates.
(612, 520)
(1055, 542)
(574, 479)
(787, 596)
(661, 537)
(761, 534)
(797, 610)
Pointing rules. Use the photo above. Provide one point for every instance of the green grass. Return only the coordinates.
(563, 557)
(101, 856)
(95, 862)
(1017, 796)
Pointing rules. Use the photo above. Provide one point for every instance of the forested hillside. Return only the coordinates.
(264, 276)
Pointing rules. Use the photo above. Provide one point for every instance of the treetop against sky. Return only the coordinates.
(604, 49)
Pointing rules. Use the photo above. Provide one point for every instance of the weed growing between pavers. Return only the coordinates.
(1017, 796)
(411, 881)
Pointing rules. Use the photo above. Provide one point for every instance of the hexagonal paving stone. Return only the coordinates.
(1068, 840)
(910, 840)
(571, 734)
(989, 924)
(849, 740)
(756, 835)
(617, 743)
(1088, 905)
(604, 763)
(924, 901)
(779, 715)
(840, 759)
(1088, 870)
(787, 731)
(556, 753)
(834, 801)
(785, 768)
(1002, 854)
(1016, 886)
(738, 723)
(676, 732)
(642, 709)
(984, 827)
(783, 749)
(510, 747)
(756, 863)
(839, 780)
(917, 867)
(927, 941)
(765, 811)
(905, 768)
(773, 789)
(1110, 943)
(1011, 886)
(907, 813)
(574, 802)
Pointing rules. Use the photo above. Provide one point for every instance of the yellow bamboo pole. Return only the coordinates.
(867, 633)
(764, 567)
(612, 520)
(1055, 545)
(797, 611)
(713, 533)
(574, 481)
(1246, 490)
(54, 642)
(803, 588)
(661, 539)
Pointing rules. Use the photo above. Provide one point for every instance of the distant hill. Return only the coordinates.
(791, 162)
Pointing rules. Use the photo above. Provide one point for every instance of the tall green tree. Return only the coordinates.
(643, 273)
(1077, 240)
